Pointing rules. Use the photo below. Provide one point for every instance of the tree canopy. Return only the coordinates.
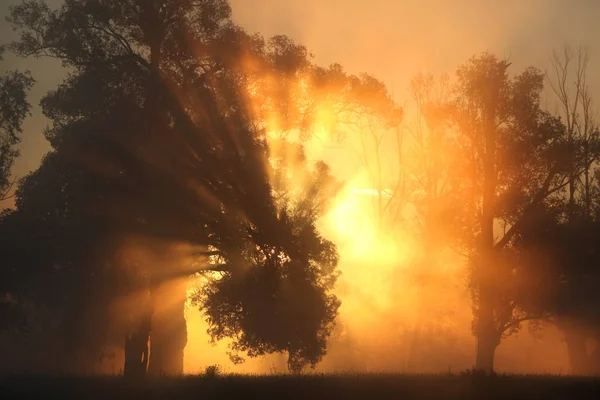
(14, 107)
(168, 148)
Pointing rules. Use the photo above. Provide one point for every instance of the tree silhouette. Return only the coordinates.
(436, 188)
(14, 108)
(555, 248)
(168, 149)
(568, 81)
(575, 108)
(518, 162)
(365, 111)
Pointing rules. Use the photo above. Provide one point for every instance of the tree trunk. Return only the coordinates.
(136, 355)
(136, 343)
(576, 348)
(594, 361)
(487, 342)
(487, 336)
(587, 187)
(169, 331)
(136, 348)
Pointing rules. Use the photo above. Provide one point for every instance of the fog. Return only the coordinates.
(405, 308)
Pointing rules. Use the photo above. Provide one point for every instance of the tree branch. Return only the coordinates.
(540, 195)
(515, 323)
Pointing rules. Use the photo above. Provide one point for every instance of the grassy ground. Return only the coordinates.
(304, 387)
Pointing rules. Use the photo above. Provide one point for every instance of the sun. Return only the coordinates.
(369, 258)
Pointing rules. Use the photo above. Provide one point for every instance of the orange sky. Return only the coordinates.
(392, 39)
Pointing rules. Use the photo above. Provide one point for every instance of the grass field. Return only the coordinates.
(368, 386)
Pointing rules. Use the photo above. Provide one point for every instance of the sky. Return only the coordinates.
(391, 39)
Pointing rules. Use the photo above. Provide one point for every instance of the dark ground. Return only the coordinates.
(304, 387)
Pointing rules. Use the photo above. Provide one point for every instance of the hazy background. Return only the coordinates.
(393, 40)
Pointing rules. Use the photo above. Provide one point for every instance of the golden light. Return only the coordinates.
(390, 300)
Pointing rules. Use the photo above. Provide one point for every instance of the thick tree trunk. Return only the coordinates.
(576, 337)
(136, 355)
(594, 361)
(137, 342)
(487, 336)
(487, 342)
(577, 351)
(486, 349)
(169, 331)
(136, 348)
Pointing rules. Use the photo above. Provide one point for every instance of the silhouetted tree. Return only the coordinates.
(574, 304)
(59, 259)
(167, 148)
(568, 81)
(557, 277)
(436, 192)
(555, 248)
(518, 161)
(569, 85)
(14, 108)
(360, 109)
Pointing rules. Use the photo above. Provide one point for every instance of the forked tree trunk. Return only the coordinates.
(169, 331)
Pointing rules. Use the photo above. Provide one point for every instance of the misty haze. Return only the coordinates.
(299, 197)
